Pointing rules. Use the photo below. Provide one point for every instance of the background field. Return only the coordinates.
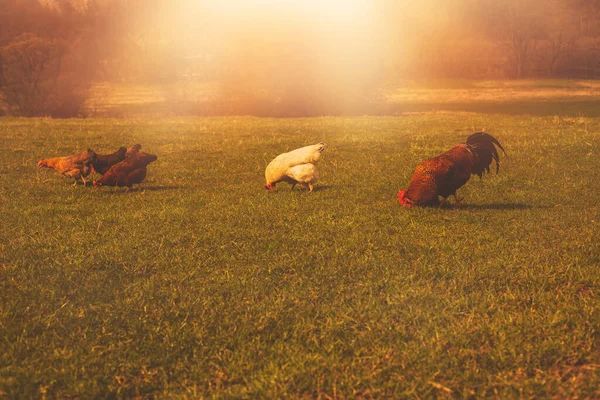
(205, 285)
(540, 97)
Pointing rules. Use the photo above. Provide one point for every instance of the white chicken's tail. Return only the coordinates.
(308, 154)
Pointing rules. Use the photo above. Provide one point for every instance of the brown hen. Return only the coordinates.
(128, 172)
(76, 166)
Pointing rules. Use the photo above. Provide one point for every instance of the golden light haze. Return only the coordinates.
(344, 42)
(310, 34)
(288, 50)
(286, 57)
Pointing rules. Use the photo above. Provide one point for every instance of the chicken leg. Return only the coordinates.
(457, 200)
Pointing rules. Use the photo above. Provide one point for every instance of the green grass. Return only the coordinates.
(206, 285)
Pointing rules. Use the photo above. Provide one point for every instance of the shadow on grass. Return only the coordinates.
(301, 189)
(321, 187)
(160, 188)
(123, 190)
(494, 206)
(316, 188)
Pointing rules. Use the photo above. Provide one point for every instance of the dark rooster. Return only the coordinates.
(445, 174)
(103, 162)
(128, 172)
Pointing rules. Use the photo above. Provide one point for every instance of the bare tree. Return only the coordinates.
(588, 16)
(27, 64)
(45, 69)
(515, 26)
(34, 80)
(559, 34)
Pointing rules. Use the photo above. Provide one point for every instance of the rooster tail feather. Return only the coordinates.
(484, 146)
(484, 137)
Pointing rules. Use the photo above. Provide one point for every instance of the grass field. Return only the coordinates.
(205, 285)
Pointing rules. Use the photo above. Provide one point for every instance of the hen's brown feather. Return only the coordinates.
(103, 162)
(133, 150)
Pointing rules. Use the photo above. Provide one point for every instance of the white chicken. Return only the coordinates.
(296, 166)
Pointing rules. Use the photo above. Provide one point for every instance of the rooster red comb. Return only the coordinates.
(269, 186)
(403, 199)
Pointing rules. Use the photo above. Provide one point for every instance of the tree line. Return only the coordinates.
(52, 52)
